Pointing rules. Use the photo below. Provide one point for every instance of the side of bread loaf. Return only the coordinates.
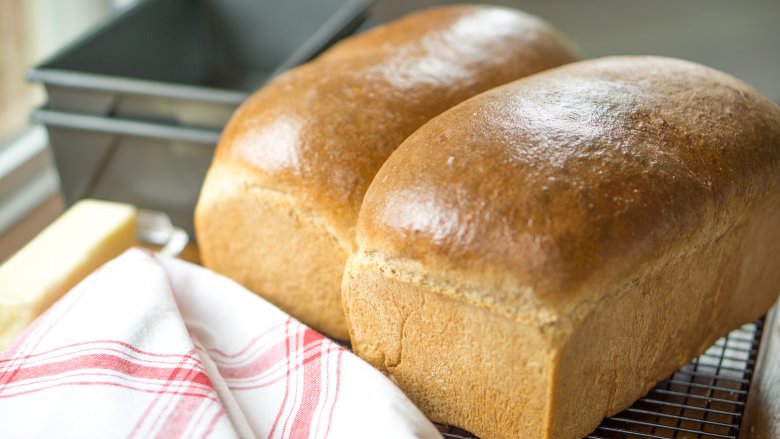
(279, 204)
(539, 256)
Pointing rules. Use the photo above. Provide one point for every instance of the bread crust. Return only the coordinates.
(320, 132)
(298, 253)
(609, 219)
(558, 185)
(499, 377)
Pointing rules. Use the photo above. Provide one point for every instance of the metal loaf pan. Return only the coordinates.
(190, 62)
(152, 166)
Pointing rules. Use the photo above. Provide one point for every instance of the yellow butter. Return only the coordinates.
(82, 239)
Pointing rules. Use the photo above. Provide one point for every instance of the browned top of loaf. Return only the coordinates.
(570, 180)
(320, 132)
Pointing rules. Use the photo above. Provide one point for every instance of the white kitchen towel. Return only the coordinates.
(150, 346)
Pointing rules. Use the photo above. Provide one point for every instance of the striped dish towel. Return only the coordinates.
(149, 346)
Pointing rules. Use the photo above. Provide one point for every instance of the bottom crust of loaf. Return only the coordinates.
(255, 236)
(508, 377)
(460, 364)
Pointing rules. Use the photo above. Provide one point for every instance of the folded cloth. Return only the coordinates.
(150, 346)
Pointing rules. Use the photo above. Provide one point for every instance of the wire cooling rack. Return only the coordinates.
(704, 399)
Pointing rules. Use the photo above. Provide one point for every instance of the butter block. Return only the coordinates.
(86, 236)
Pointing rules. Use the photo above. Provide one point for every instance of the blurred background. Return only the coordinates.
(31, 30)
(738, 37)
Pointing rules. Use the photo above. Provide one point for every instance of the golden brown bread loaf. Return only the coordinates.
(539, 256)
(279, 205)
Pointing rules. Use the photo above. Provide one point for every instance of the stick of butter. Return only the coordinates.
(82, 239)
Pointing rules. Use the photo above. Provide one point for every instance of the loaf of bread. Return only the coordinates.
(280, 202)
(539, 256)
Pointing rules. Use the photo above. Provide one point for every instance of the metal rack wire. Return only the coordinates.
(704, 399)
